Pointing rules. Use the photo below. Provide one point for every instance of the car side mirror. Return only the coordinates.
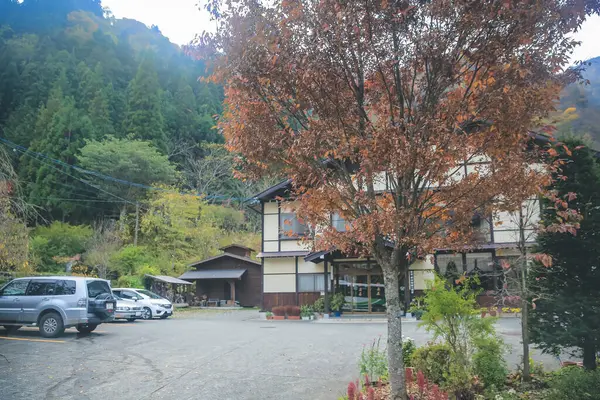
(135, 299)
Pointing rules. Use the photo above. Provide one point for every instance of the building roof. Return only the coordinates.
(236, 246)
(316, 256)
(235, 256)
(273, 191)
(277, 254)
(169, 279)
(214, 274)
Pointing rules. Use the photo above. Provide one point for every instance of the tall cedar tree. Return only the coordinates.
(567, 313)
(61, 129)
(143, 118)
(345, 98)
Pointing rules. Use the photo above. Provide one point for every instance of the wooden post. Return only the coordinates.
(232, 283)
(326, 278)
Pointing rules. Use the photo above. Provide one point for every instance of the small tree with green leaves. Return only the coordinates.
(452, 316)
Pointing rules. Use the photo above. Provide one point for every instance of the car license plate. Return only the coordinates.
(138, 313)
(109, 306)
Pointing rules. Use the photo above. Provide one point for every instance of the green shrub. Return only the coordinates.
(488, 362)
(52, 245)
(575, 383)
(319, 305)
(130, 258)
(373, 361)
(337, 302)
(452, 315)
(129, 281)
(434, 361)
(408, 349)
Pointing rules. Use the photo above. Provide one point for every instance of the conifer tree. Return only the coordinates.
(567, 313)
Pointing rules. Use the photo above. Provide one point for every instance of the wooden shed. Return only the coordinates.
(231, 276)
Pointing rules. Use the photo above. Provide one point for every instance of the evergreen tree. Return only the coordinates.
(143, 117)
(62, 129)
(567, 313)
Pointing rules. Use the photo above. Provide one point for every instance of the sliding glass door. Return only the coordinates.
(362, 286)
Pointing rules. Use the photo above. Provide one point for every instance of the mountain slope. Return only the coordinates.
(580, 105)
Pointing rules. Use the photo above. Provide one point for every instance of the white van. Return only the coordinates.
(152, 304)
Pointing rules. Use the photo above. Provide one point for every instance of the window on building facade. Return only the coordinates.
(449, 261)
(479, 262)
(481, 226)
(291, 227)
(338, 222)
(311, 283)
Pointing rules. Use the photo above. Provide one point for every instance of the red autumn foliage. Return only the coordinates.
(278, 311)
(373, 109)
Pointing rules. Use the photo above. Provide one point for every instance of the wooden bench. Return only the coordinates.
(215, 301)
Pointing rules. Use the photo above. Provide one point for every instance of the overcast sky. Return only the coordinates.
(181, 20)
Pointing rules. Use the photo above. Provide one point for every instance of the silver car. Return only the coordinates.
(55, 303)
(127, 309)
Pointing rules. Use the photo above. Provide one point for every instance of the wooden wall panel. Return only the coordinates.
(278, 299)
(308, 298)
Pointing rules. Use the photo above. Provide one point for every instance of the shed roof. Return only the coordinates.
(246, 259)
(236, 246)
(214, 274)
(169, 279)
(277, 254)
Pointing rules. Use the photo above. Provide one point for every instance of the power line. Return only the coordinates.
(83, 200)
(26, 152)
(100, 175)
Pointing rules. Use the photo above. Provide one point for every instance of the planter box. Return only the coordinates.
(306, 318)
(296, 317)
(278, 317)
(270, 317)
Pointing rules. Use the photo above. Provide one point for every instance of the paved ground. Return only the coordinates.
(200, 356)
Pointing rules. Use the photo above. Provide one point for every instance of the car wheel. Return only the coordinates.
(51, 325)
(147, 313)
(164, 316)
(86, 328)
(12, 328)
(130, 319)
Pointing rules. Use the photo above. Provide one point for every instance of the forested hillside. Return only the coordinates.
(580, 106)
(103, 119)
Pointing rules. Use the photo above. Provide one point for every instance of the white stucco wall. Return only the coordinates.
(279, 283)
(285, 265)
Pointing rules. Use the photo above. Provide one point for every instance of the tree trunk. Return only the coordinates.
(524, 300)
(525, 326)
(394, 337)
(525, 335)
(589, 355)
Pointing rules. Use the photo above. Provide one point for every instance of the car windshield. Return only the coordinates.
(149, 294)
(97, 287)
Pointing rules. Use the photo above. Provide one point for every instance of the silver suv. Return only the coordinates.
(55, 303)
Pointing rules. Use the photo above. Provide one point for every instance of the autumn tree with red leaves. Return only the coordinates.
(372, 109)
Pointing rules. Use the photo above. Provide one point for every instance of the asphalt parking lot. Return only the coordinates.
(198, 356)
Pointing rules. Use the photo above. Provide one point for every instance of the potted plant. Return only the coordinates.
(269, 315)
(337, 302)
(306, 312)
(278, 313)
(293, 312)
(417, 308)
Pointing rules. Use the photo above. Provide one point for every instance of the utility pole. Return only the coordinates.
(137, 222)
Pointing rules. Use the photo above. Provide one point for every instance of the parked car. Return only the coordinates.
(55, 303)
(152, 304)
(127, 309)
